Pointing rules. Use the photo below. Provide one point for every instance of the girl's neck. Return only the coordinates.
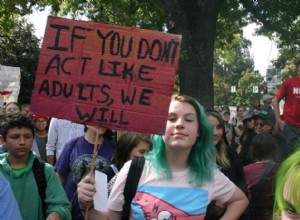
(177, 160)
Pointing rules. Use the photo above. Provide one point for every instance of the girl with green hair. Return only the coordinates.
(180, 177)
(287, 192)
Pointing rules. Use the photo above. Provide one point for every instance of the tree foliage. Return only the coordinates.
(20, 48)
(244, 94)
(11, 10)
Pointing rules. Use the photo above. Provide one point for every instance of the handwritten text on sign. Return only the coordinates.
(108, 75)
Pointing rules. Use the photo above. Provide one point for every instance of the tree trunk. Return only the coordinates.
(196, 21)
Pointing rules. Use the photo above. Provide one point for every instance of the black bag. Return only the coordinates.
(132, 181)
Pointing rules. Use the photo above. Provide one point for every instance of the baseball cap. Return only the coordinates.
(224, 112)
(37, 116)
(266, 113)
(248, 114)
(265, 97)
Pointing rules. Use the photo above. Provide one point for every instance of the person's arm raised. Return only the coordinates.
(86, 190)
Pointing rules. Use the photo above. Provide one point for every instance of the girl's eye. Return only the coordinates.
(292, 213)
(171, 119)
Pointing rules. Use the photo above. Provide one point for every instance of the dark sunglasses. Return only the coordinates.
(259, 124)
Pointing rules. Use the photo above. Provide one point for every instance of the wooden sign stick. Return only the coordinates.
(92, 173)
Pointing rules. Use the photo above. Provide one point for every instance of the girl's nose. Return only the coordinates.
(179, 124)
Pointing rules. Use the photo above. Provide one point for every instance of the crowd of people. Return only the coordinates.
(209, 164)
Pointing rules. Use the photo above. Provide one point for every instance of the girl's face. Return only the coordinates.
(240, 112)
(40, 124)
(217, 129)
(250, 124)
(12, 108)
(259, 124)
(139, 151)
(226, 117)
(290, 212)
(182, 127)
(261, 127)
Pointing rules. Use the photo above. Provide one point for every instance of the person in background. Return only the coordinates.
(289, 124)
(17, 167)
(228, 126)
(246, 138)
(264, 120)
(181, 163)
(268, 100)
(75, 161)
(9, 207)
(287, 193)
(239, 113)
(129, 144)
(256, 106)
(261, 188)
(40, 137)
(228, 159)
(238, 123)
(265, 123)
(25, 108)
(12, 107)
(59, 133)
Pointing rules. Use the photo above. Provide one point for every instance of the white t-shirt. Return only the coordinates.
(157, 198)
(60, 132)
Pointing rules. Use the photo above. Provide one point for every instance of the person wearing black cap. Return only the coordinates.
(264, 120)
(265, 124)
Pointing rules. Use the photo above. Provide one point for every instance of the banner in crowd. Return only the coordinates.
(9, 84)
(106, 75)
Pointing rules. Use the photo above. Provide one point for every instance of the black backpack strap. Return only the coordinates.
(257, 188)
(38, 169)
(132, 181)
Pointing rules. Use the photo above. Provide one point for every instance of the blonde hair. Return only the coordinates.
(222, 158)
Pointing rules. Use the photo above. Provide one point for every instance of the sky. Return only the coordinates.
(262, 50)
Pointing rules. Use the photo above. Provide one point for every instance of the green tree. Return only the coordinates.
(231, 59)
(244, 94)
(10, 10)
(20, 48)
(221, 91)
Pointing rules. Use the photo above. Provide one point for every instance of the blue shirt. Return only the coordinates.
(8, 206)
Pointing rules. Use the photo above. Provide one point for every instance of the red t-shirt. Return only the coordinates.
(290, 90)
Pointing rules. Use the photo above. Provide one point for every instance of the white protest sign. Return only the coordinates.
(10, 83)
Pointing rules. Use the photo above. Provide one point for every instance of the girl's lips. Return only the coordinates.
(179, 134)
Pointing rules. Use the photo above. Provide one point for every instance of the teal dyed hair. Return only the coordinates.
(202, 157)
(289, 171)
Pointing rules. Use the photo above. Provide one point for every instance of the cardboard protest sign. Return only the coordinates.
(9, 84)
(106, 75)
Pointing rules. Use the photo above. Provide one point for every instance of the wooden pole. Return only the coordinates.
(92, 173)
